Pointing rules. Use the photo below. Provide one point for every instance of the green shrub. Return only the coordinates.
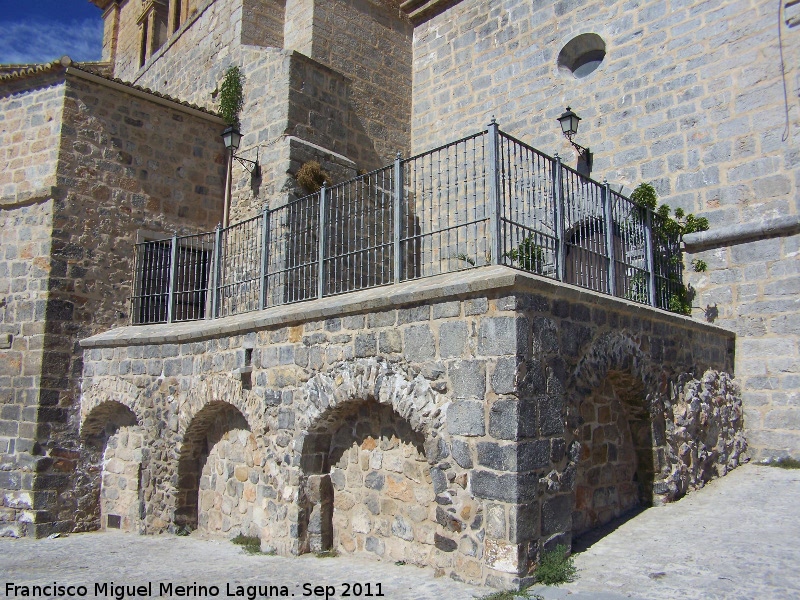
(679, 298)
(529, 255)
(555, 567)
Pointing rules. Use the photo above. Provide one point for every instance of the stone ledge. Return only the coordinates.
(422, 10)
(33, 197)
(741, 233)
(439, 288)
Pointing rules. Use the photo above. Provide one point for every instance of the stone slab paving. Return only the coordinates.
(739, 537)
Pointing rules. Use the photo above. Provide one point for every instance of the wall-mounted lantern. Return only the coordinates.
(232, 137)
(569, 126)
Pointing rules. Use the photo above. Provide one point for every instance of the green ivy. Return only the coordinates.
(666, 228)
(231, 96)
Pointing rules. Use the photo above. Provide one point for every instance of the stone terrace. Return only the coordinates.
(466, 421)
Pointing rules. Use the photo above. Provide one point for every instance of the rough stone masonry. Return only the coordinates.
(468, 422)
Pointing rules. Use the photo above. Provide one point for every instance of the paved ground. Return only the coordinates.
(737, 538)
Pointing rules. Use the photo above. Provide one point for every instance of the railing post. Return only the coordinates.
(558, 199)
(495, 210)
(262, 302)
(215, 270)
(648, 235)
(323, 192)
(608, 217)
(398, 215)
(173, 278)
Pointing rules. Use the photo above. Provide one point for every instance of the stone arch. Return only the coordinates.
(117, 391)
(111, 454)
(217, 458)
(615, 430)
(410, 396)
(368, 460)
(218, 389)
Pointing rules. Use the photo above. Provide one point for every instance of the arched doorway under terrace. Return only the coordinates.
(218, 470)
(616, 463)
(112, 442)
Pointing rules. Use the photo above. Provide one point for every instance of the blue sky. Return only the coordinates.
(33, 31)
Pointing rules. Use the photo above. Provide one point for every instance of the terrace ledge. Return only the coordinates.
(449, 286)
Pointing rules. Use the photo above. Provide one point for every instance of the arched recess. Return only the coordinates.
(112, 441)
(368, 485)
(615, 467)
(617, 431)
(217, 472)
(370, 470)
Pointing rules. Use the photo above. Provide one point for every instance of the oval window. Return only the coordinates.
(582, 55)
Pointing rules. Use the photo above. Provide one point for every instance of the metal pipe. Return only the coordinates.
(493, 181)
(228, 182)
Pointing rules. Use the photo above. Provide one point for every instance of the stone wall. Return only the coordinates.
(438, 425)
(162, 172)
(29, 130)
(120, 487)
(24, 272)
(752, 287)
(262, 22)
(190, 65)
(297, 111)
(123, 166)
(369, 42)
(689, 97)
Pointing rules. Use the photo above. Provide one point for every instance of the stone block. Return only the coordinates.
(498, 336)
(462, 453)
(452, 339)
(418, 343)
(556, 515)
(505, 487)
(366, 345)
(466, 417)
(523, 523)
(390, 341)
(476, 306)
(414, 314)
(446, 309)
(512, 420)
(551, 420)
(504, 376)
(468, 378)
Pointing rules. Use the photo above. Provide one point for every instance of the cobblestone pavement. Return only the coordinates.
(737, 538)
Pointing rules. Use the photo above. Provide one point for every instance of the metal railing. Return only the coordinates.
(484, 199)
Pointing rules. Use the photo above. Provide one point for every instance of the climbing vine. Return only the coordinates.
(666, 228)
(231, 97)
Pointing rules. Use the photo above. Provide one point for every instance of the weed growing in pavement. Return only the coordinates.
(784, 463)
(249, 543)
(556, 567)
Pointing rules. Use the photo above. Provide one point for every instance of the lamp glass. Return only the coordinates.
(232, 138)
(569, 122)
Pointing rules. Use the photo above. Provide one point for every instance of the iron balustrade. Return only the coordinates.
(488, 198)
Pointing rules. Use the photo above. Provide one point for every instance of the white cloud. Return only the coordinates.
(32, 42)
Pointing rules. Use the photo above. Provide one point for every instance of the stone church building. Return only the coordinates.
(460, 355)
